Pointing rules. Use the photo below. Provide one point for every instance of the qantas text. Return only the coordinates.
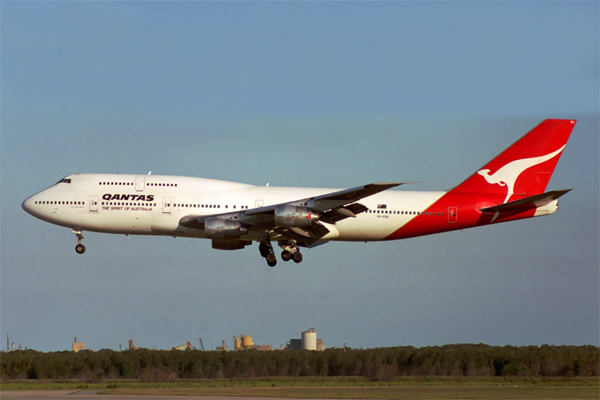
(128, 197)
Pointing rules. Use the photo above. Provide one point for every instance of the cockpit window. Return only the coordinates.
(64, 180)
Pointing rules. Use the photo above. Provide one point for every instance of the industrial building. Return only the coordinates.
(78, 346)
(244, 342)
(187, 346)
(223, 347)
(309, 341)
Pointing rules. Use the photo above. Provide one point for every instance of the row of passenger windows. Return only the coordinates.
(179, 205)
(436, 214)
(72, 203)
(161, 184)
(120, 203)
(132, 184)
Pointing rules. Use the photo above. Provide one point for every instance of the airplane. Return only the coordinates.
(233, 215)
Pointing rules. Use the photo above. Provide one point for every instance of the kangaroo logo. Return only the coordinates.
(508, 174)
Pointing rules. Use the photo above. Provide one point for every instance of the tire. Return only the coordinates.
(263, 249)
(80, 249)
(271, 260)
(286, 255)
(297, 257)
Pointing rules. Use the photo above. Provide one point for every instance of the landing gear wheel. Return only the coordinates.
(286, 255)
(297, 257)
(271, 260)
(263, 248)
(80, 249)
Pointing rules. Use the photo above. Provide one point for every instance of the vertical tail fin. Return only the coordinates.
(526, 166)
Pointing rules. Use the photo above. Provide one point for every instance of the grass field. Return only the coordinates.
(342, 387)
(390, 392)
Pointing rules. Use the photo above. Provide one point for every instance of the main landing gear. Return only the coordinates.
(80, 248)
(290, 252)
(266, 250)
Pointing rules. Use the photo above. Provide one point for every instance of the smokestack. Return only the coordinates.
(20, 347)
(75, 339)
(7, 343)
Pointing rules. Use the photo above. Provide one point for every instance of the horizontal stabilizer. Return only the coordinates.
(527, 203)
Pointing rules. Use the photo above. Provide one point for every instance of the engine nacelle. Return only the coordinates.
(294, 217)
(223, 229)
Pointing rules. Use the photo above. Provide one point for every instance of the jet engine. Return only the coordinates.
(294, 217)
(223, 229)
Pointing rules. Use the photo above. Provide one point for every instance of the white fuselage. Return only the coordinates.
(154, 204)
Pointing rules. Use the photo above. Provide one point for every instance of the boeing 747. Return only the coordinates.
(233, 215)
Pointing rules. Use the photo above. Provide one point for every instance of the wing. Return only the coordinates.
(299, 220)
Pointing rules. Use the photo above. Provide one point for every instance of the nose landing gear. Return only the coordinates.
(80, 248)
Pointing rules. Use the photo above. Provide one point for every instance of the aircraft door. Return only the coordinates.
(166, 205)
(94, 203)
(140, 183)
(259, 203)
(452, 215)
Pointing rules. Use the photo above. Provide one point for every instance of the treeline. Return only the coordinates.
(381, 363)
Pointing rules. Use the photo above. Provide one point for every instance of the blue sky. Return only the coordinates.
(332, 94)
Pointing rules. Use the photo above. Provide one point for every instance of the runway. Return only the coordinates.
(93, 394)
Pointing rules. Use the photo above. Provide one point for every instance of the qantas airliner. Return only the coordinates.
(233, 215)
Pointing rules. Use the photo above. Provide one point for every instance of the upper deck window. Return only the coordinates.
(64, 180)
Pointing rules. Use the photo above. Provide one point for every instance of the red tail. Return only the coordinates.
(525, 167)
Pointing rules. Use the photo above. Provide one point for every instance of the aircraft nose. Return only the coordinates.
(26, 205)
